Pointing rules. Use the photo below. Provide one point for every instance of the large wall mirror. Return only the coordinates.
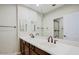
(67, 27)
(71, 26)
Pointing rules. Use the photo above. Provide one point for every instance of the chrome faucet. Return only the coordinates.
(50, 37)
(37, 34)
(32, 36)
(55, 41)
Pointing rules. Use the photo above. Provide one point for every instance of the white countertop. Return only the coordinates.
(62, 47)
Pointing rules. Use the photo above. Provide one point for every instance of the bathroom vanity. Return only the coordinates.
(29, 49)
(40, 46)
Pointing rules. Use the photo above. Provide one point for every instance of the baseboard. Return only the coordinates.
(18, 53)
(6, 53)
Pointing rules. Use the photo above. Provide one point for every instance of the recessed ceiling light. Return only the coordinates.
(53, 4)
(37, 5)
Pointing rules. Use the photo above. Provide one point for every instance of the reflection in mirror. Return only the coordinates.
(34, 27)
(26, 27)
(58, 28)
(38, 28)
(21, 26)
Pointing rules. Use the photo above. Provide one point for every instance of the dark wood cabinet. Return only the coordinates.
(40, 52)
(22, 46)
(28, 49)
(32, 52)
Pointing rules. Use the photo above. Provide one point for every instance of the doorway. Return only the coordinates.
(58, 28)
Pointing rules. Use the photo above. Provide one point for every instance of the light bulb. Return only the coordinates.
(37, 5)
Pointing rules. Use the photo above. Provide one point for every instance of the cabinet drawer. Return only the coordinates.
(22, 46)
(32, 52)
(32, 47)
(27, 44)
(26, 50)
(41, 52)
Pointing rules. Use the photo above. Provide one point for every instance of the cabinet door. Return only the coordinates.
(32, 52)
(22, 46)
(26, 50)
(41, 52)
(32, 47)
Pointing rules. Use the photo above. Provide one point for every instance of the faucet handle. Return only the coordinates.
(50, 37)
(51, 40)
(55, 41)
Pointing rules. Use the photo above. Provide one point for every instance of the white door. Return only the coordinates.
(8, 41)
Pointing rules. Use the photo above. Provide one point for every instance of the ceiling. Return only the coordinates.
(43, 8)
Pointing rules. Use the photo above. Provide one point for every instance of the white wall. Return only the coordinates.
(71, 26)
(62, 11)
(8, 39)
(29, 17)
